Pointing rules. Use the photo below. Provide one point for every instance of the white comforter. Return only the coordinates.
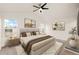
(25, 40)
(40, 47)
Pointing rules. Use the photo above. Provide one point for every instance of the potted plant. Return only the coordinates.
(73, 40)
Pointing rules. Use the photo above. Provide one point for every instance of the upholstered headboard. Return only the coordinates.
(29, 32)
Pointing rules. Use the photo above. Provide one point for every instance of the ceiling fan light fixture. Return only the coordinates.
(40, 10)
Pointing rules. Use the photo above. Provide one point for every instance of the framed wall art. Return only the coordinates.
(29, 23)
(60, 26)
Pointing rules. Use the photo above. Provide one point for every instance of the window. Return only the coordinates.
(10, 23)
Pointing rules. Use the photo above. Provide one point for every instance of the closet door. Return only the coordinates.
(78, 23)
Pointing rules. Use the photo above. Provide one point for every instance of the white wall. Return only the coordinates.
(62, 35)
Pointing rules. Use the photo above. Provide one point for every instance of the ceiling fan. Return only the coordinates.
(40, 7)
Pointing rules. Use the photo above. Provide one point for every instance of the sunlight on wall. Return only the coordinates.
(41, 28)
(47, 29)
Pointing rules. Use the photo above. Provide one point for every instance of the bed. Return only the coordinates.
(37, 44)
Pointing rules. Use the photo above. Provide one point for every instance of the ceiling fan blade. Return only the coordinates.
(43, 5)
(36, 6)
(45, 8)
(35, 10)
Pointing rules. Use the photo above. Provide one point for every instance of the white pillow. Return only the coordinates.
(28, 34)
(37, 33)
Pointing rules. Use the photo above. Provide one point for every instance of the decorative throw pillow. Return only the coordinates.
(33, 33)
(37, 33)
(23, 34)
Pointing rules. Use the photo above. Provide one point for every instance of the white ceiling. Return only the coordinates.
(16, 7)
(28, 7)
(55, 9)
